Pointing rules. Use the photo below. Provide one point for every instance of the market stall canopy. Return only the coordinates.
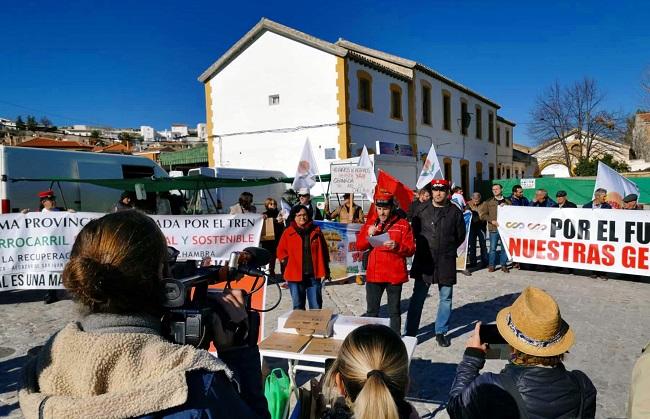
(153, 184)
(194, 155)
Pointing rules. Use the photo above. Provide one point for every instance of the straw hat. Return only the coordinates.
(533, 325)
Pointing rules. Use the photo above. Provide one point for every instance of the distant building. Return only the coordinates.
(179, 130)
(343, 96)
(524, 165)
(641, 136)
(54, 144)
(7, 123)
(504, 141)
(201, 132)
(148, 133)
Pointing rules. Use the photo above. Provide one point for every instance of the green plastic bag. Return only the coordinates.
(277, 390)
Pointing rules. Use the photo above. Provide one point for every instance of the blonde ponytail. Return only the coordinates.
(373, 368)
(375, 401)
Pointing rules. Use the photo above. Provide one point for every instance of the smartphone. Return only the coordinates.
(498, 348)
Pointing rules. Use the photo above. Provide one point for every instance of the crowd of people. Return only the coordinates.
(116, 358)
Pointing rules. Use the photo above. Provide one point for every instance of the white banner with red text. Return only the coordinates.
(591, 239)
(34, 247)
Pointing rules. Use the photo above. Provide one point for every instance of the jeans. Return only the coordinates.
(475, 234)
(416, 304)
(374, 291)
(310, 289)
(495, 240)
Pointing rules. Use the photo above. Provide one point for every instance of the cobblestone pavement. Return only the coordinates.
(606, 315)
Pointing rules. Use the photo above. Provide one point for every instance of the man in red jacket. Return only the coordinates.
(390, 240)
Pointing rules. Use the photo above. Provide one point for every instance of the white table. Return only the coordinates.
(294, 358)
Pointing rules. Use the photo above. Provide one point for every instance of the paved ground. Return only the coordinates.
(607, 317)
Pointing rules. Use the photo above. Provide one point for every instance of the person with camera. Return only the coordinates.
(386, 269)
(114, 361)
(535, 384)
(303, 252)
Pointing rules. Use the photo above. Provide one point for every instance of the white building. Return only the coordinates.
(201, 131)
(148, 133)
(179, 130)
(7, 123)
(277, 86)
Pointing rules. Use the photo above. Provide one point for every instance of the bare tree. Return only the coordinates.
(575, 115)
(645, 85)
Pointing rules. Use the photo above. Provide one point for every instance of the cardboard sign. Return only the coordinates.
(351, 179)
(286, 342)
(324, 346)
(268, 230)
(310, 322)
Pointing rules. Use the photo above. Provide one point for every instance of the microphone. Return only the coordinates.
(249, 270)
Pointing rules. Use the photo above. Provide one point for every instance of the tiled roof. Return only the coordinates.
(42, 142)
(644, 117)
(113, 148)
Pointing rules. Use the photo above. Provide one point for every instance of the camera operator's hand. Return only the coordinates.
(226, 327)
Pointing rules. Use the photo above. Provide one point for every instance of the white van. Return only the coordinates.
(36, 163)
(230, 196)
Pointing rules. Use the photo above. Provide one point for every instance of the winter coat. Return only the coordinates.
(519, 202)
(315, 212)
(547, 392)
(567, 204)
(476, 223)
(548, 203)
(238, 209)
(290, 252)
(342, 214)
(590, 204)
(388, 265)
(489, 213)
(439, 232)
(639, 400)
(278, 228)
(120, 365)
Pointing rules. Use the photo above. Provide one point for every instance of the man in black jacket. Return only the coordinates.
(439, 229)
(562, 201)
(535, 383)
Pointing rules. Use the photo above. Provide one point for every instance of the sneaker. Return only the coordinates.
(505, 269)
(442, 340)
(490, 268)
(466, 272)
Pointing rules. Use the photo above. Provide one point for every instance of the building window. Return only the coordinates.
(507, 138)
(491, 127)
(446, 110)
(330, 153)
(446, 163)
(498, 135)
(426, 103)
(463, 115)
(364, 80)
(479, 122)
(274, 100)
(395, 102)
(464, 176)
(508, 173)
(491, 172)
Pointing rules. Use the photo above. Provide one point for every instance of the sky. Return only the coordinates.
(130, 63)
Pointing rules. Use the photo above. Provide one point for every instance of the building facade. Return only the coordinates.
(277, 87)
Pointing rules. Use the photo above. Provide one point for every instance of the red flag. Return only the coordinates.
(403, 194)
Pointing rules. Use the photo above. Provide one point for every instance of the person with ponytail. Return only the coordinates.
(114, 361)
(369, 378)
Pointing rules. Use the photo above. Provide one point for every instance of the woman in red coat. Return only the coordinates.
(303, 251)
(387, 262)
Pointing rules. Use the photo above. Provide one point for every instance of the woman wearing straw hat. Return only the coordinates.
(535, 384)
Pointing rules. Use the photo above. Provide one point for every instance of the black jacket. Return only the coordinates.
(568, 204)
(546, 392)
(438, 233)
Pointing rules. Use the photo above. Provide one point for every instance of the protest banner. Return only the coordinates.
(351, 179)
(34, 247)
(345, 259)
(461, 253)
(597, 240)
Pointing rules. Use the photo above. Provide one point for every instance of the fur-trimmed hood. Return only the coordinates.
(112, 367)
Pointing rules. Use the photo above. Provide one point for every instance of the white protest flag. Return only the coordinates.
(430, 170)
(364, 161)
(307, 170)
(616, 185)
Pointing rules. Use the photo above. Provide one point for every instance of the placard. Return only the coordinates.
(351, 179)
(341, 238)
(527, 183)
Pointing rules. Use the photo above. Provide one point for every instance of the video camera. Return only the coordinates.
(189, 309)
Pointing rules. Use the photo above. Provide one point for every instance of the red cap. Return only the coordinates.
(46, 194)
(440, 183)
(383, 198)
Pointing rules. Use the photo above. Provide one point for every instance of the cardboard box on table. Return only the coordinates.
(298, 328)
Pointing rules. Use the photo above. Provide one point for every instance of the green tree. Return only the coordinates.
(20, 124)
(589, 166)
(31, 123)
(46, 123)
